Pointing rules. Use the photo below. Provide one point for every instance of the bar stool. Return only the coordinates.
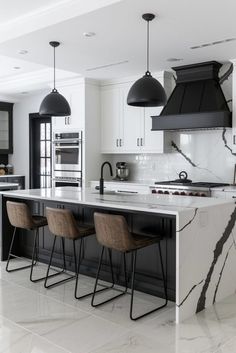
(62, 224)
(112, 232)
(20, 216)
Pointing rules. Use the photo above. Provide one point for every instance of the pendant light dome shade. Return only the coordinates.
(147, 91)
(54, 104)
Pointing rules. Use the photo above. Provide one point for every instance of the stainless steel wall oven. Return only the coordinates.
(67, 158)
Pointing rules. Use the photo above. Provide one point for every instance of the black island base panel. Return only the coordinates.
(148, 276)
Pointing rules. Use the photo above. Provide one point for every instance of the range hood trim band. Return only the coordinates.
(207, 120)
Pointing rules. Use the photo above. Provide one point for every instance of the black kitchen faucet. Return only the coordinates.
(101, 183)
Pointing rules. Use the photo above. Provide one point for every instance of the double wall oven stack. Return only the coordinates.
(67, 159)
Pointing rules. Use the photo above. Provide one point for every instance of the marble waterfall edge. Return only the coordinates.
(205, 258)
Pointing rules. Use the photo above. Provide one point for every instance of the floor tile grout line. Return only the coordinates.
(89, 313)
(92, 313)
(34, 334)
(63, 303)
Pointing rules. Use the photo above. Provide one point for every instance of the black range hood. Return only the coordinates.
(197, 101)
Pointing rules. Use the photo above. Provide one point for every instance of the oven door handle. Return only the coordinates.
(65, 147)
(66, 141)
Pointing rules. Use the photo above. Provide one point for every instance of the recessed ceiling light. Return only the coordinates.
(23, 52)
(16, 67)
(89, 34)
(174, 59)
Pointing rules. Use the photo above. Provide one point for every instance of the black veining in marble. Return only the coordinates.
(221, 272)
(186, 297)
(189, 222)
(173, 144)
(217, 252)
(226, 143)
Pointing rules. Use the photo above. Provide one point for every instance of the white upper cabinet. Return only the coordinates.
(127, 129)
(75, 97)
(133, 118)
(111, 122)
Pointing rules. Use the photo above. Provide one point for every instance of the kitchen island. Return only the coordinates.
(198, 239)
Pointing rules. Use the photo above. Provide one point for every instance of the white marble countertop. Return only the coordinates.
(11, 175)
(229, 188)
(4, 186)
(165, 204)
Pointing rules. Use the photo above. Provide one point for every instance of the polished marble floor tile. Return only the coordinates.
(36, 320)
(14, 339)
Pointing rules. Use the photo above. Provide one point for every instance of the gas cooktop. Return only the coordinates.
(185, 187)
(190, 184)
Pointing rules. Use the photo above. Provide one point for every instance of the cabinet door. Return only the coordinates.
(153, 141)
(110, 118)
(62, 123)
(77, 104)
(6, 141)
(132, 122)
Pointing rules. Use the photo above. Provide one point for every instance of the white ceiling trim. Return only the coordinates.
(49, 16)
(36, 80)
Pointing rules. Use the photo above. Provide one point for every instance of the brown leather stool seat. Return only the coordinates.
(62, 224)
(112, 232)
(20, 216)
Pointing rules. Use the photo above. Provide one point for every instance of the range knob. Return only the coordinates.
(166, 192)
(191, 194)
(182, 193)
(176, 193)
(160, 192)
(196, 194)
(203, 195)
(154, 191)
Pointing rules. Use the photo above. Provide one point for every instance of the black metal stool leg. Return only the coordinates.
(34, 261)
(132, 287)
(58, 273)
(113, 282)
(12, 255)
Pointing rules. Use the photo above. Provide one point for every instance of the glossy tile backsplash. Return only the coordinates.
(205, 155)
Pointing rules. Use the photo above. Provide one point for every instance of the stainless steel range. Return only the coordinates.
(185, 187)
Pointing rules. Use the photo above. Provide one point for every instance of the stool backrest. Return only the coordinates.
(112, 231)
(62, 223)
(20, 215)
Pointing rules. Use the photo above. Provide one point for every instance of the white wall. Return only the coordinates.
(21, 111)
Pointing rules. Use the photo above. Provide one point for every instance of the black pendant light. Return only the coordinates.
(54, 104)
(147, 91)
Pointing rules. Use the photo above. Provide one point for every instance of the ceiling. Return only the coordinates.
(118, 48)
(10, 11)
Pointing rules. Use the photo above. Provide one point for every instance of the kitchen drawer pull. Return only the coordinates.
(233, 197)
(120, 142)
(141, 141)
(138, 142)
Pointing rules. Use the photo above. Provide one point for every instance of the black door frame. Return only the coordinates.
(32, 117)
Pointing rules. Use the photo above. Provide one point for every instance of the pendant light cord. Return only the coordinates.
(54, 69)
(148, 72)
